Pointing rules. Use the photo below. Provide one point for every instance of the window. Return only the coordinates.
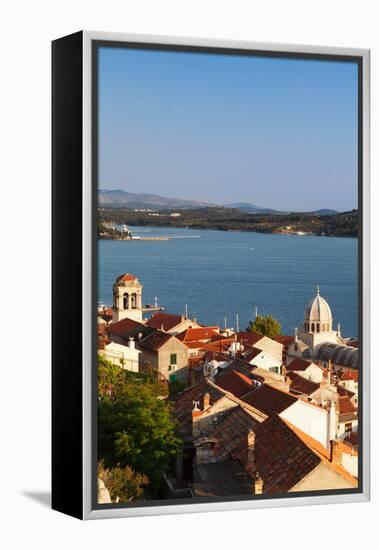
(173, 359)
(348, 427)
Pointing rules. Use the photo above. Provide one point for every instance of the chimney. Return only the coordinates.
(131, 343)
(258, 484)
(332, 420)
(207, 401)
(251, 448)
(196, 412)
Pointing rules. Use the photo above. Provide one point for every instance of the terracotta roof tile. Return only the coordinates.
(249, 338)
(349, 375)
(123, 327)
(234, 383)
(352, 439)
(166, 320)
(269, 400)
(155, 340)
(281, 458)
(240, 366)
(218, 356)
(285, 340)
(218, 345)
(298, 365)
(345, 405)
(183, 404)
(126, 277)
(344, 392)
(199, 334)
(299, 384)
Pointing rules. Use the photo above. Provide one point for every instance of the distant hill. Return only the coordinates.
(117, 198)
(253, 208)
(324, 212)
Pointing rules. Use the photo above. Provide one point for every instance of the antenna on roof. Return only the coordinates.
(237, 323)
(225, 322)
(186, 311)
(156, 301)
(256, 312)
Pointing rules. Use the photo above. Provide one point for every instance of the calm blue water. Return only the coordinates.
(222, 274)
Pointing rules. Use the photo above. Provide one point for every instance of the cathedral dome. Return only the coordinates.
(318, 310)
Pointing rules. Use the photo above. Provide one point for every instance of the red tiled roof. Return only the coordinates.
(210, 355)
(197, 334)
(249, 338)
(349, 375)
(343, 391)
(345, 405)
(285, 340)
(281, 458)
(218, 345)
(123, 327)
(352, 439)
(323, 453)
(299, 384)
(183, 404)
(233, 428)
(165, 320)
(126, 278)
(269, 400)
(155, 340)
(234, 383)
(298, 365)
(240, 366)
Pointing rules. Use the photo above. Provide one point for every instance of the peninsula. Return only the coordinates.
(342, 224)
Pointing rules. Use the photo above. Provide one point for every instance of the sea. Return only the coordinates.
(224, 278)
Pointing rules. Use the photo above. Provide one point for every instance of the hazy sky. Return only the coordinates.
(275, 132)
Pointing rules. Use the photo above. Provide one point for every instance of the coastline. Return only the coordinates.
(219, 229)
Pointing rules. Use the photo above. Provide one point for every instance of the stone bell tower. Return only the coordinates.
(127, 298)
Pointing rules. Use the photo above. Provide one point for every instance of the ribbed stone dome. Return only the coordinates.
(318, 310)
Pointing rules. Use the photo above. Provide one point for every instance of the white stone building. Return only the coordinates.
(126, 357)
(318, 341)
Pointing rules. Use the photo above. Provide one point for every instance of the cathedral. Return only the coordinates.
(319, 342)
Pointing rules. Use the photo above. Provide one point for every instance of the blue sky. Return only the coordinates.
(280, 133)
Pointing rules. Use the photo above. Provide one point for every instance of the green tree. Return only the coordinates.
(265, 325)
(135, 427)
(123, 484)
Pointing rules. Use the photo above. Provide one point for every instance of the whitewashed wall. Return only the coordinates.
(310, 419)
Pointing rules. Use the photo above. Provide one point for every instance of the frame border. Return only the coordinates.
(89, 290)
